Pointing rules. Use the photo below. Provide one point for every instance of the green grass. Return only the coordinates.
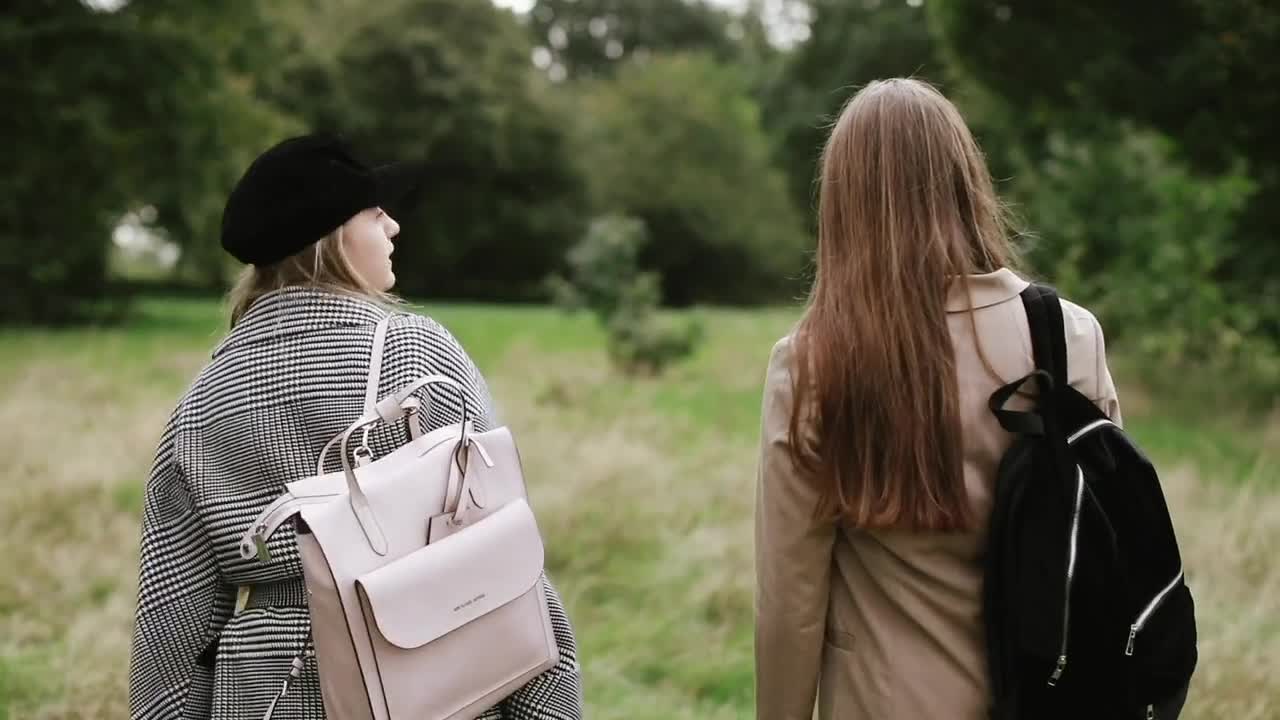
(644, 489)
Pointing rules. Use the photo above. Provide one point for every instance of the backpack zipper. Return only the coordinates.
(1071, 572)
(295, 669)
(1095, 425)
(1146, 613)
(1061, 665)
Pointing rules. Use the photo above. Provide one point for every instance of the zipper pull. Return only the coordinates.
(1057, 670)
(1133, 634)
(1151, 712)
(295, 669)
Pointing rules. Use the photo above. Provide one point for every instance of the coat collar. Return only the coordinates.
(295, 310)
(985, 290)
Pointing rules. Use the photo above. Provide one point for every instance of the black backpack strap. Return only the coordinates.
(1015, 421)
(1049, 345)
(1048, 337)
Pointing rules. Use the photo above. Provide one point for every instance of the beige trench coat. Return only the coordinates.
(887, 625)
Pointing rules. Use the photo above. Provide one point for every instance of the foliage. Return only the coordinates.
(851, 44)
(164, 122)
(583, 38)
(1205, 73)
(449, 82)
(677, 142)
(1184, 66)
(1134, 138)
(604, 277)
(1121, 222)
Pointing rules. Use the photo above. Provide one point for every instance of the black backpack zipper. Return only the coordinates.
(1087, 429)
(1148, 611)
(1071, 572)
(1072, 547)
(1140, 622)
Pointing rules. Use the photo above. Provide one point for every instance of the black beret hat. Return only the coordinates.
(301, 190)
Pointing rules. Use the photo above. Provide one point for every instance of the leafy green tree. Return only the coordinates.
(1184, 67)
(677, 143)
(591, 37)
(449, 82)
(111, 111)
(1203, 72)
(1126, 225)
(849, 45)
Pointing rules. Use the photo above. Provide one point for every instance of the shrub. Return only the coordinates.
(604, 278)
(1122, 226)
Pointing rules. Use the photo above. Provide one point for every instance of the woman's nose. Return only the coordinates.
(393, 227)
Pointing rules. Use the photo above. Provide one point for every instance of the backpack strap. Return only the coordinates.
(376, 352)
(254, 540)
(1048, 337)
(371, 385)
(1049, 346)
(375, 363)
(1016, 421)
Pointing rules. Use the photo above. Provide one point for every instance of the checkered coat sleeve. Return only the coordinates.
(289, 377)
(178, 608)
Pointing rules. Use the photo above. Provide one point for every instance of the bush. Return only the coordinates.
(604, 278)
(1124, 227)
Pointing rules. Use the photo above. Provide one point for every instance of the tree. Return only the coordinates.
(585, 38)
(1131, 229)
(1204, 72)
(849, 45)
(677, 143)
(1184, 67)
(450, 82)
(109, 111)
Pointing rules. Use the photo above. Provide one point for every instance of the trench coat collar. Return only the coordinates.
(985, 290)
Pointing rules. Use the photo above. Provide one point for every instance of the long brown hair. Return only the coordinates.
(323, 265)
(906, 207)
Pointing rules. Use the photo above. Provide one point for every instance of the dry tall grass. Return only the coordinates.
(647, 513)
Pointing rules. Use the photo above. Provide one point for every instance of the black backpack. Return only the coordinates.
(1086, 609)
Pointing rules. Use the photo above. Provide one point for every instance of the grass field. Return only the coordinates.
(644, 490)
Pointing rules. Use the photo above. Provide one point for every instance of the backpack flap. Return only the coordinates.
(459, 624)
(452, 581)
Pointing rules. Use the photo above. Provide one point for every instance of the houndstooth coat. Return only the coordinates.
(290, 376)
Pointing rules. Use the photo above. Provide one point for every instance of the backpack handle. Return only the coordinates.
(1049, 349)
(1016, 421)
(388, 410)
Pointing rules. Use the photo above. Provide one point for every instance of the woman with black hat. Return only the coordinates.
(308, 220)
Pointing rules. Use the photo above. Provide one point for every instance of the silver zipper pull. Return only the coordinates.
(1151, 712)
(295, 670)
(1133, 634)
(1057, 671)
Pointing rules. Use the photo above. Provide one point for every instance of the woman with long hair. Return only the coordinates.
(878, 452)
